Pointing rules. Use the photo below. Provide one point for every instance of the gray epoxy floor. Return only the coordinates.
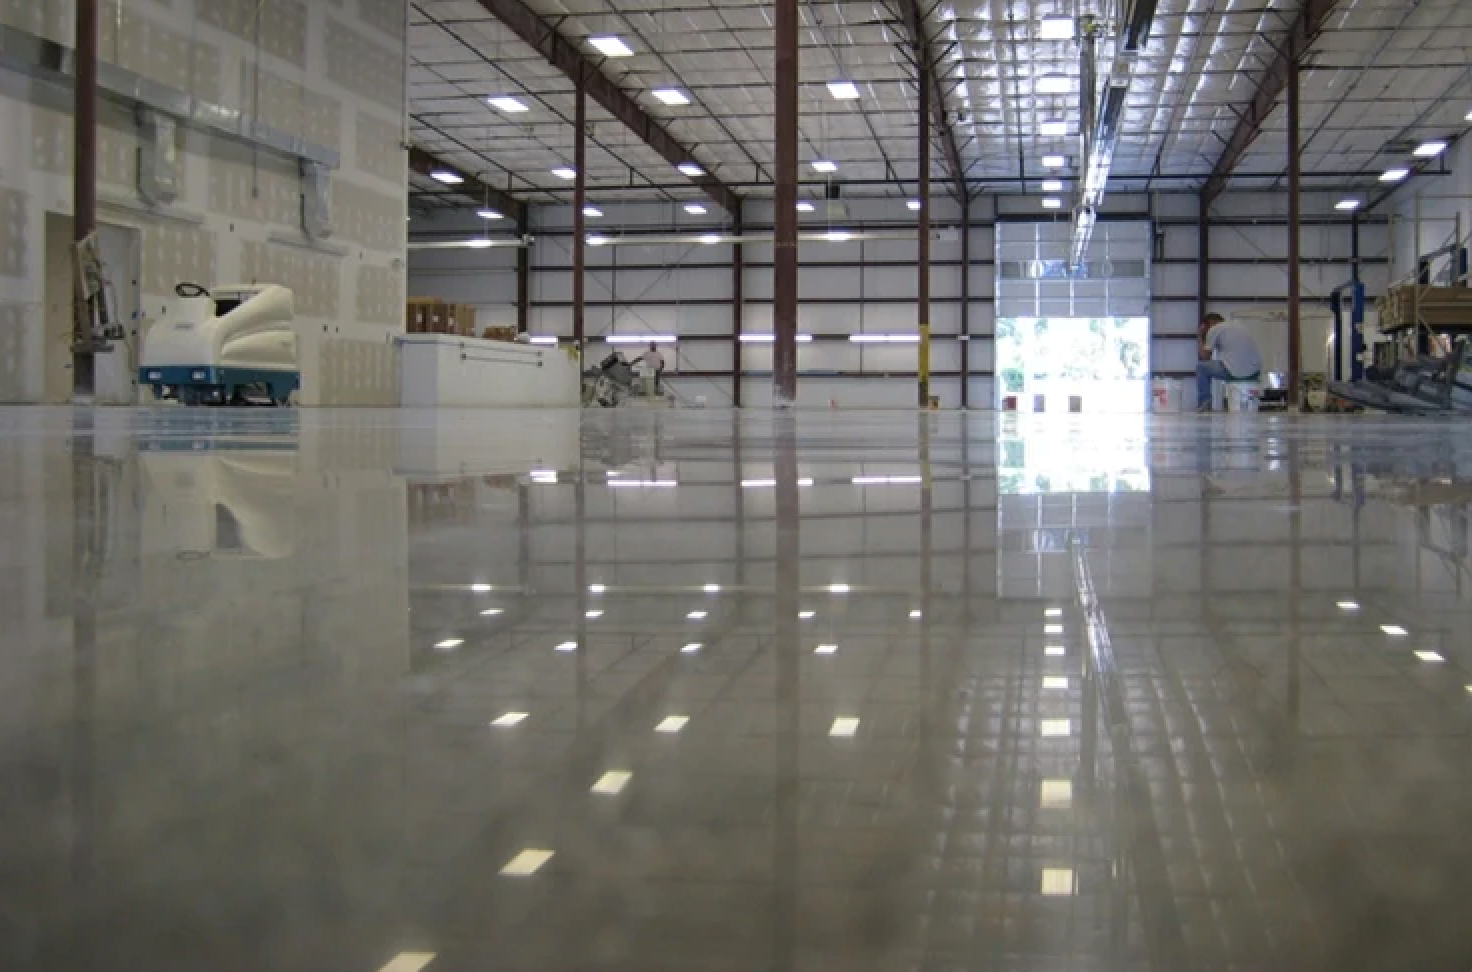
(839, 691)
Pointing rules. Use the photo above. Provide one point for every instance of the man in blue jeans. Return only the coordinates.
(1228, 353)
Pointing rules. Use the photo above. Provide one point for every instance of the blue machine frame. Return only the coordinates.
(205, 384)
(1356, 329)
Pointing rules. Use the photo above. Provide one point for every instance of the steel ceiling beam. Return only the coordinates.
(1305, 29)
(920, 47)
(472, 188)
(565, 56)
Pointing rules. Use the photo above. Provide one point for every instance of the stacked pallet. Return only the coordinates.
(430, 315)
(1439, 308)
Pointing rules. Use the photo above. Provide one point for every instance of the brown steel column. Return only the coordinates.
(965, 298)
(579, 200)
(84, 139)
(784, 251)
(737, 271)
(1295, 191)
(1203, 259)
(922, 308)
(523, 273)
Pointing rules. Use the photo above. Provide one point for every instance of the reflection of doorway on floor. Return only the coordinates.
(110, 377)
(1049, 364)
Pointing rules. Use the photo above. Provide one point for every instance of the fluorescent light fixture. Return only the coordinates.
(839, 588)
(671, 96)
(1053, 84)
(1054, 161)
(592, 211)
(838, 236)
(1058, 880)
(1053, 613)
(593, 615)
(691, 648)
(640, 339)
(712, 588)
(825, 649)
(543, 475)
(1394, 630)
(803, 206)
(448, 644)
(913, 205)
(843, 90)
(885, 480)
(672, 724)
(697, 615)
(447, 176)
(755, 483)
(507, 104)
(1394, 175)
(1055, 28)
(1347, 205)
(612, 782)
(487, 214)
(844, 726)
(610, 46)
(1052, 629)
(597, 588)
(408, 962)
(806, 615)
(1430, 656)
(770, 338)
(1052, 202)
(481, 588)
(492, 612)
(1469, 116)
(1054, 651)
(884, 338)
(1429, 150)
(542, 339)
(710, 239)
(1052, 185)
(1053, 129)
(823, 165)
(507, 719)
(1056, 794)
(641, 483)
(695, 209)
(477, 244)
(596, 239)
(1055, 681)
(527, 862)
(690, 169)
(1347, 606)
(916, 615)
(1055, 727)
(567, 646)
(563, 172)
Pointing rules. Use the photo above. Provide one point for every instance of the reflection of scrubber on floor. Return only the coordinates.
(230, 347)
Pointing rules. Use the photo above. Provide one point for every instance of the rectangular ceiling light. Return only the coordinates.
(563, 172)
(1053, 84)
(592, 211)
(640, 339)
(844, 726)
(449, 643)
(1053, 129)
(913, 205)
(804, 615)
(567, 646)
(492, 612)
(1394, 175)
(1055, 28)
(1430, 656)
(487, 214)
(1347, 605)
(612, 782)
(1429, 150)
(610, 46)
(823, 165)
(1052, 185)
(507, 104)
(695, 209)
(1052, 629)
(672, 723)
(691, 648)
(448, 176)
(916, 614)
(768, 338)
(527, 862)
(507, 719)
(1052, 202)
(671, 96)
(593, 615)
(1054, 651)
(1347, 205)
(408, 962)
(1057, 880)
(1054, 727)
(697, 615)
(1394, 630)
(803, 206)
(843, 90)
(710, 239)
(1056, 795)
(825, 650)
(690, 169)
(542, 339)
(839, 588)
(884, 338)
(886, 480)
(1055, 681)
(1054, 161)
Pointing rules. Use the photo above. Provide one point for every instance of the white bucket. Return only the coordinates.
(1165, 395)
(1242, 396)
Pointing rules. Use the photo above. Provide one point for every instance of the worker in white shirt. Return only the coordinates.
(1228, 353)
(653, 364)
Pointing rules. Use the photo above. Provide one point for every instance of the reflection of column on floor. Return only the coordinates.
(788, 576)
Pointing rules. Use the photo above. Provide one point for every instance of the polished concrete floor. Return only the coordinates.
(342, 691)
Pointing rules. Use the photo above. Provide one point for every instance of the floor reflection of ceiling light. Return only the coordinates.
(806, 615)
(507, 719)
(568, 646)
(1430, 656)
(1055, 681)
(1057, 880)
(1347, 606)
(527, 862)
(1394, 630)
(844, 726)
(697, 615)
(1054, 651)
(672, 724)
(491, 612)
(825, 649)
(593, 615)
(1055, 727)
(408, 962)
(612, 782)
(691, 648)
(449, 643)
(481, 588)
(1052, 629)
(1056, 794)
